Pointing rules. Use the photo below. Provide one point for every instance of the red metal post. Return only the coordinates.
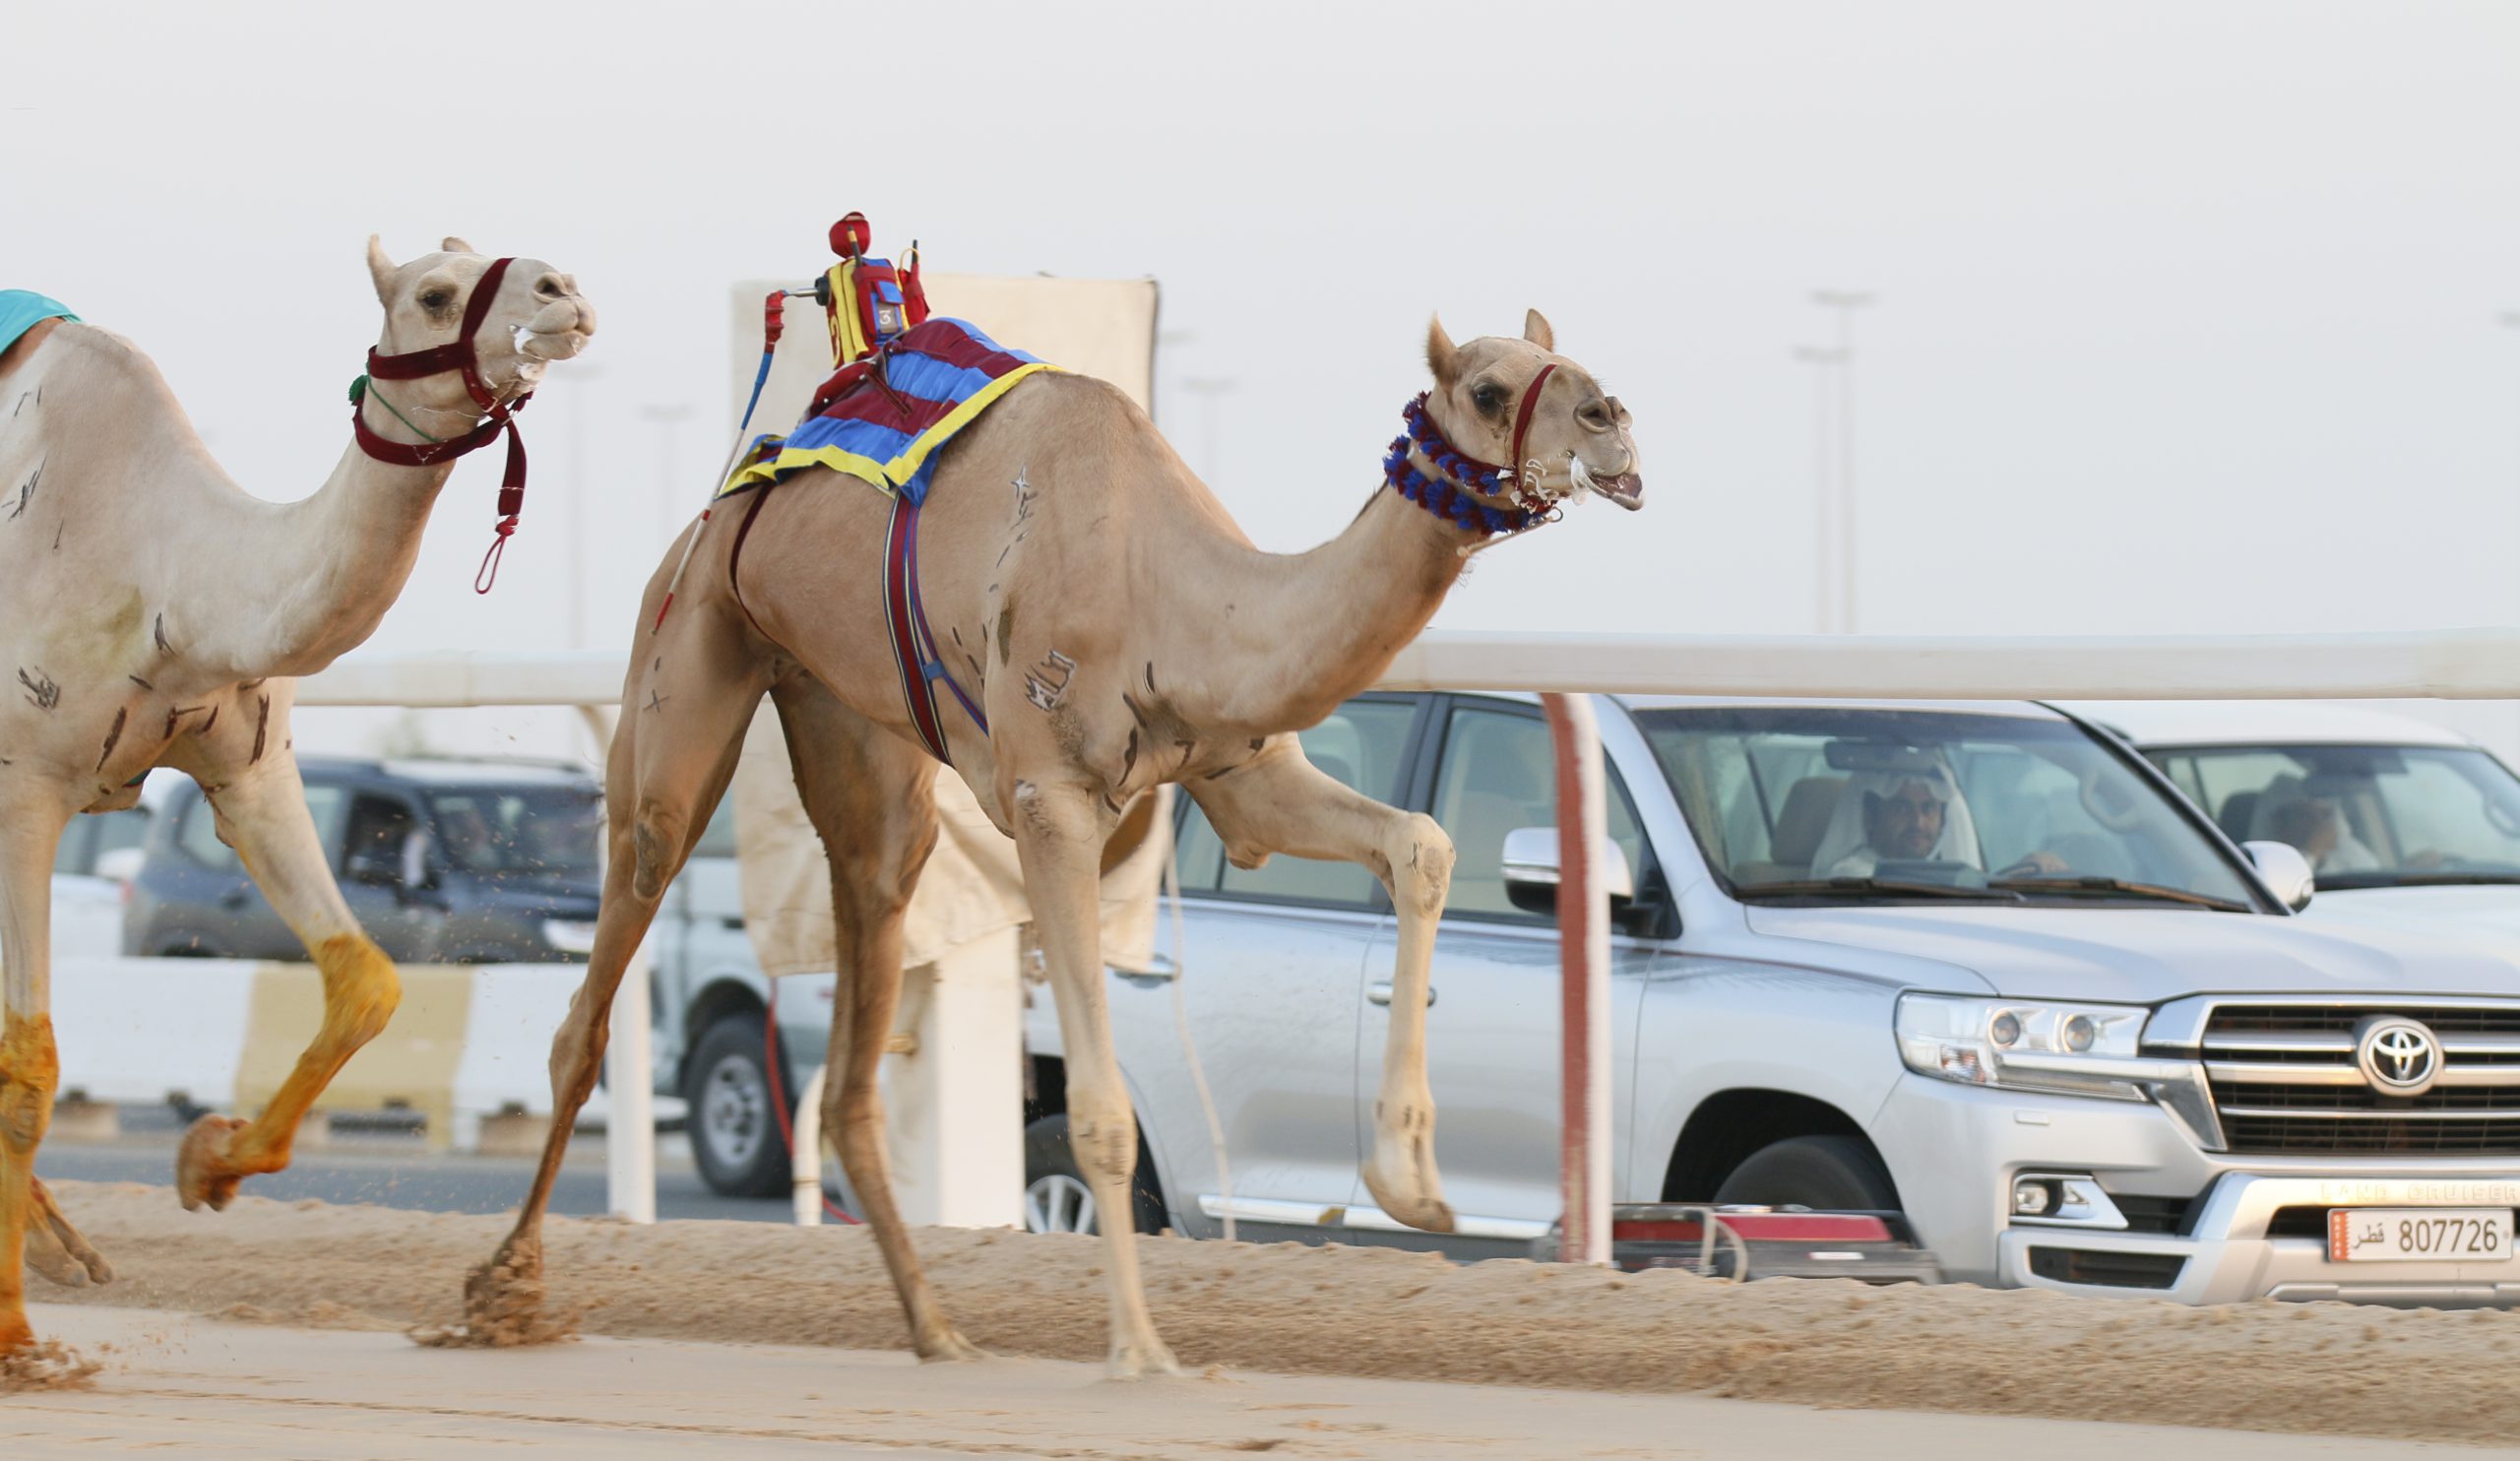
(1583, 933)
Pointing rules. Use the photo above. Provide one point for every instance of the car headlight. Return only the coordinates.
(568, 935)
(2027, 1044)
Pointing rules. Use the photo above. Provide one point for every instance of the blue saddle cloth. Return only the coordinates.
(20, 310)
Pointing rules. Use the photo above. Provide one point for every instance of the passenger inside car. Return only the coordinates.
(1907, 815)
(2314, 822)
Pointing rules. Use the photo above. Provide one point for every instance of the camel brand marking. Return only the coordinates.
(1045, 682)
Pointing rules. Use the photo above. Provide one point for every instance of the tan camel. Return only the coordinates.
(1119, 631)
(155, 614)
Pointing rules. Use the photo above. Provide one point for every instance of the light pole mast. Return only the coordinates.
(1845, 302)
(1825, 508)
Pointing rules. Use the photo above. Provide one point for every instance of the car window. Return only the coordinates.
(2370, 815)
(1362, 744)
(199, 837)
(1498, 774)
(1866, 804)
(378, 826)
(527, 831)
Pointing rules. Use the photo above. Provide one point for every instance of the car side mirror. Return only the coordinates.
(2286, 872)
(1530, 870)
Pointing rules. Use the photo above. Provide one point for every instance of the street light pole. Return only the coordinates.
(1845, 302)
(579, 377)
(1825, 526)
(666, 418)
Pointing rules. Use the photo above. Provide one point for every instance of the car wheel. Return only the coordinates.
(1832, 1174)
(1056, 1197)
(734, 1132)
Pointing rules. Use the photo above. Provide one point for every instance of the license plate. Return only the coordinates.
(2419, 1234)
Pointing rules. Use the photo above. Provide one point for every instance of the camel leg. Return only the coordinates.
(1282, 803)
(29, 1063)
(872, 796)
(682, 723)
(263, 814)
(1059, 833)
(55, 1249)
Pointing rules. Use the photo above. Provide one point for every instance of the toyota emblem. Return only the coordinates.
(2398, 1056)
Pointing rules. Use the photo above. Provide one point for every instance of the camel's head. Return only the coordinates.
(537, 317)
(1576, 439)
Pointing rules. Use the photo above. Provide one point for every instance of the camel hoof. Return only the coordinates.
(1418, 1203)
(62, 1257)
(503, 1305)
(202, 1175)
(56, 1251)
(1141, 1359)
(949, 1347)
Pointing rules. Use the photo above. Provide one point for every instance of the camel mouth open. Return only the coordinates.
(1627, 489)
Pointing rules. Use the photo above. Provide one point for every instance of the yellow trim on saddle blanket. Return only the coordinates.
(887, 476)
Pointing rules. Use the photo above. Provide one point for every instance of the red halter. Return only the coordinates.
(459, 355)
(1525, 494)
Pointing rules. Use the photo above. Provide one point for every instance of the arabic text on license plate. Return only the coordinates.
(2419, 1234)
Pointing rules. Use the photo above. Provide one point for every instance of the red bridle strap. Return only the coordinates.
(1523, 425)
(459, 355)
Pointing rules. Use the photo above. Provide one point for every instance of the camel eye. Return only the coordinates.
(1487, 396)
(436, 301)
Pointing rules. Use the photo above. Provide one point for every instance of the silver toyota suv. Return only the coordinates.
(1973, 962)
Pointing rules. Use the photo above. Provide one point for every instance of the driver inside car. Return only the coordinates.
(1913, 815)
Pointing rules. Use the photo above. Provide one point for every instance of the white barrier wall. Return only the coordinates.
(2439, 665)
(470, 1040)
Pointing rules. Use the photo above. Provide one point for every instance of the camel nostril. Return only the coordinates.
(551, 287)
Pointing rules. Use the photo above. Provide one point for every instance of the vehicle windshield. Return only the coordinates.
(2366, 816)
(1828, 803)
(522, 831)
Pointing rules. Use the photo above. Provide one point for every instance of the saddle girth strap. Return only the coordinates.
(915, 655)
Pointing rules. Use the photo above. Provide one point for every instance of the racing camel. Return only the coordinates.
(1105, 627)
(153, 613)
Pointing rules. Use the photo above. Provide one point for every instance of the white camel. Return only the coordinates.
(153, 614)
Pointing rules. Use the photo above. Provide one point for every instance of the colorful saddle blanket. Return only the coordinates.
(884, 420)
(20, 310)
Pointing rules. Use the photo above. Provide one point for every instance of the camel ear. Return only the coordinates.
(454, 246)
(1536, 330)
(382, 270)
(1440, 355)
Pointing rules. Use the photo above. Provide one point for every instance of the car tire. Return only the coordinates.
(735, 1133)
(1056, 1197)
(1829, 1173)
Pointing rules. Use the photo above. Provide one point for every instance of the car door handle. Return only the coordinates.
(1379, 992)
(234, 898)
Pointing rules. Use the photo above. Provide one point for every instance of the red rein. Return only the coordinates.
(459, 355)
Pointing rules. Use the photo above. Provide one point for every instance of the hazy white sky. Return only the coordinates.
(2187, 322)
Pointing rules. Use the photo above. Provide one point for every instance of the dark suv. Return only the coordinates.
(441, 861)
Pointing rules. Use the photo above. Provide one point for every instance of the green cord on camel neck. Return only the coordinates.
(363, 387)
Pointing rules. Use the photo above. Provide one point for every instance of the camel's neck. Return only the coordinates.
(1292, 635)
(319, 574)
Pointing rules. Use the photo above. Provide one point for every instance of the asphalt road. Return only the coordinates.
(374, 1172)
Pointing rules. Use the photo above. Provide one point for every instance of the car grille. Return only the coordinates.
(2283, 1081)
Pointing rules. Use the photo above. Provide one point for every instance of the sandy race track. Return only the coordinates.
(1286, 1309)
